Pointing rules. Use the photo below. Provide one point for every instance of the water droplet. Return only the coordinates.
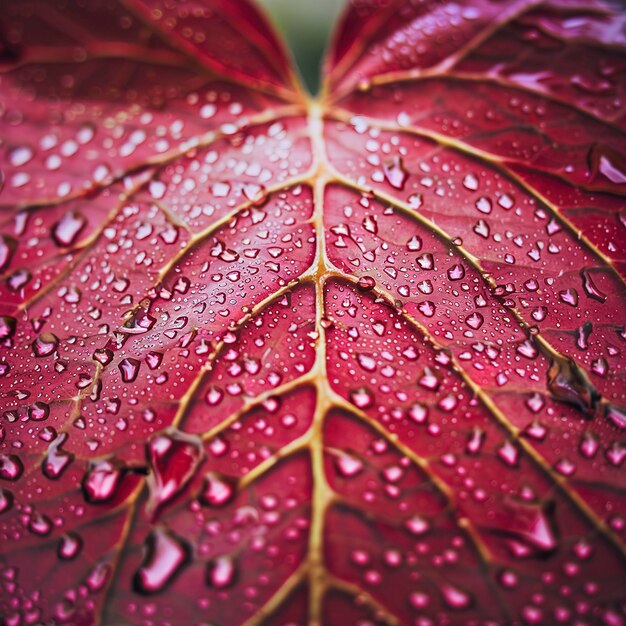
(221, 572)
(6, 500)
(173, 457)
(569, 296)
(366, 283)
(600, 366)
(11, 467)
(39, 524)
(470, 182)
(45, 345)
(616, 415)
(7, 327)
(69, 546)
(347, 464)
(416, 200)
(484, 205)
(419, 600)
(427, 308)
(129, 368)
(475, 320)
(456, 272)
(568, 383)
(367, 362)
(362, 397)
(20, 155)
(429, 379)
(509, 453)
(475, 441)
(57, 460)
(583, 333)
(417, 525)
(7, 249)
(370, 224)
(98, 577)
(217, 490)
(590, 287)
(395, 173)
(39, 411)
(455, 598)
(531, 523)
(102, 480)
(67, 229)
(165, 555)
(418, 413)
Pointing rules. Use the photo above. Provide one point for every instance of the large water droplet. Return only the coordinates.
(11, 467)
(217, 490)
(57, 460)
(456, 598)
(395, 173)
(102, 479)
(173, 457)
(616, 415)
(67, 229)
(530, 523)
(569, 383)
(69, 546)
(347, 464)
(590, 287)
(129, 368)
(7, 249)
(362, 397)
(165, 555)
(7, 327)
(6, 500)
(45, 345)
(221, 572)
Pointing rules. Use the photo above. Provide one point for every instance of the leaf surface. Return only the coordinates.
(269, 359)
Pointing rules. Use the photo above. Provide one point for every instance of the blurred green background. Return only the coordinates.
(306, 25)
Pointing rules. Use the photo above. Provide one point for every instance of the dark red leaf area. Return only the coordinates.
(270, 360)
(443, 454)
(519, 44)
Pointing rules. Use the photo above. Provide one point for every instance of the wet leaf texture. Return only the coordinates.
(269, 359)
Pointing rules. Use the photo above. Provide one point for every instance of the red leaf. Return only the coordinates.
(268, 359)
